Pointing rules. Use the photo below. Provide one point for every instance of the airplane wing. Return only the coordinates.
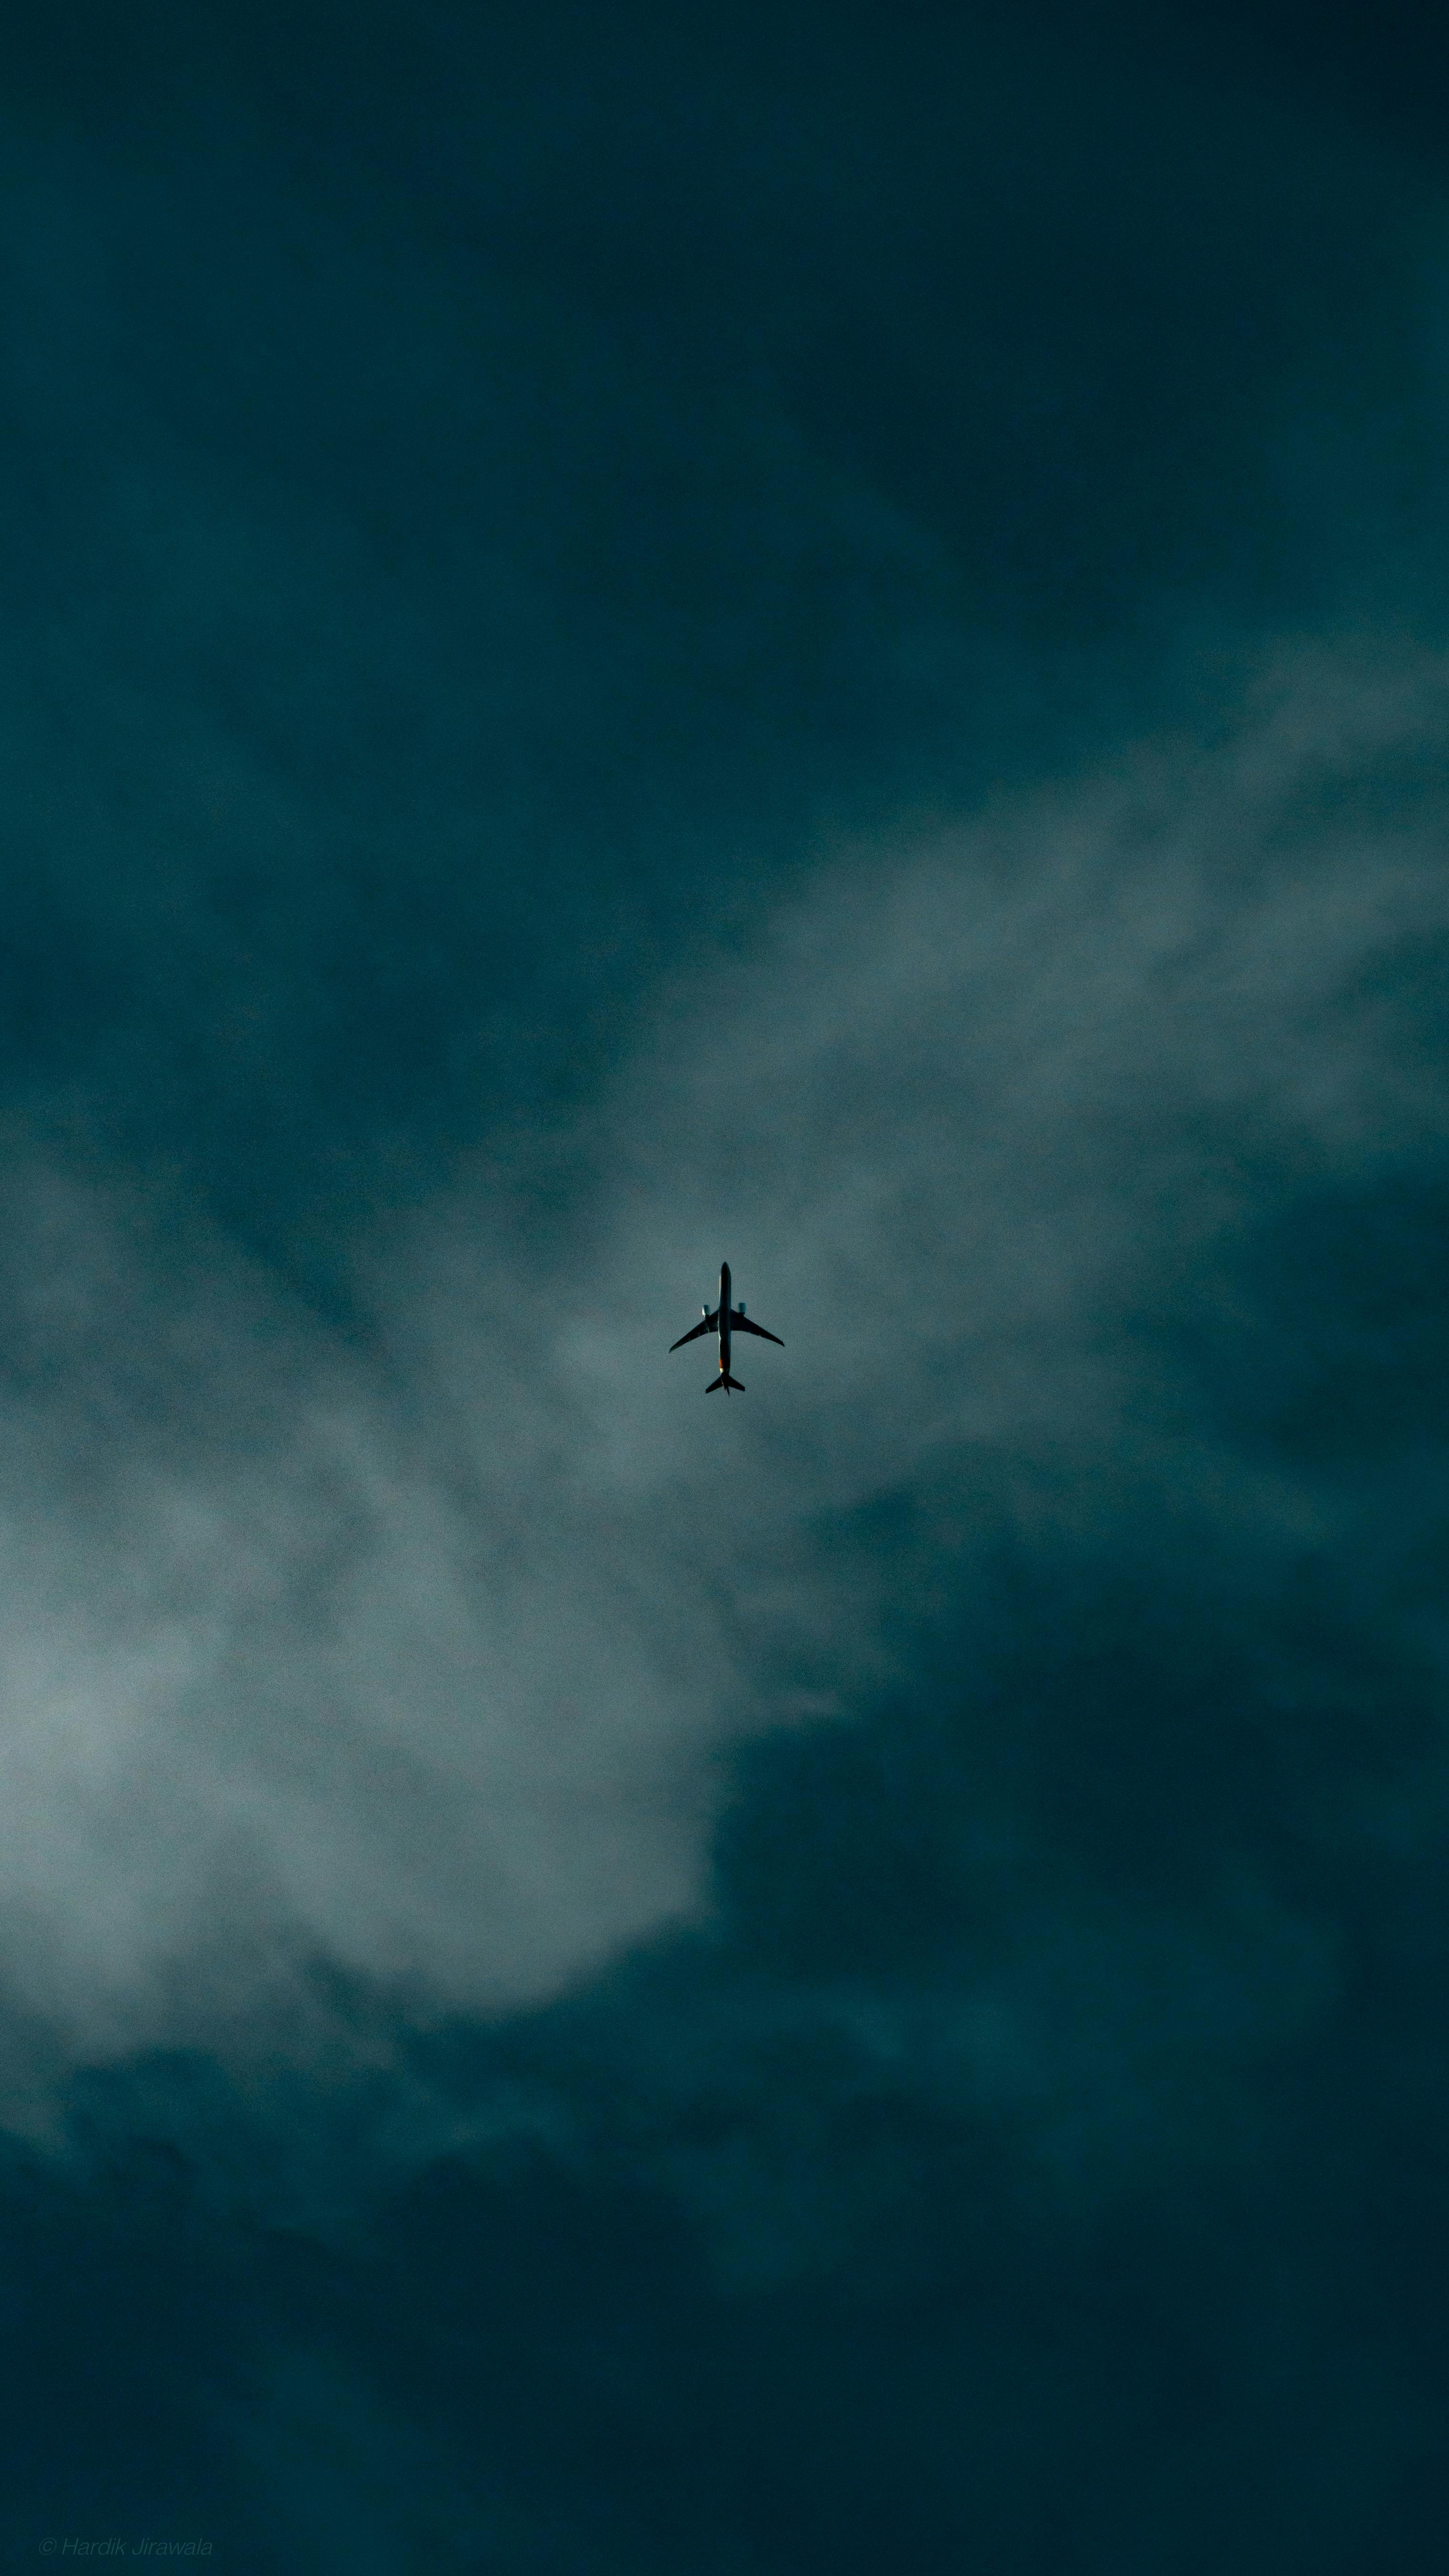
(742, 1324)
(710, 1325)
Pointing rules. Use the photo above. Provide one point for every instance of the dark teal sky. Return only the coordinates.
(815, 637)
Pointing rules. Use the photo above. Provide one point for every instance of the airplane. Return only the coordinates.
(725, 1320)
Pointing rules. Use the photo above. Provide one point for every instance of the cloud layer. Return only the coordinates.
(413, 1651)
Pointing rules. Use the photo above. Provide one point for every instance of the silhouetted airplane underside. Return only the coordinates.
(725, 1320)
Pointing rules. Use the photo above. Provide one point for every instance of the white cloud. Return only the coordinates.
(415, 1657)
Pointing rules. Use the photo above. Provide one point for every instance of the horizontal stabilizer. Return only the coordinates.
(726, 1382)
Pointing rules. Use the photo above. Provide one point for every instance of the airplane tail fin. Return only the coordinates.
(726, 1382)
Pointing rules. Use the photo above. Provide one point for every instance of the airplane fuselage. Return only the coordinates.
(724, 1322)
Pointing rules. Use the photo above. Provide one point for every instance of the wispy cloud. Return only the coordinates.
(414, 1653)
